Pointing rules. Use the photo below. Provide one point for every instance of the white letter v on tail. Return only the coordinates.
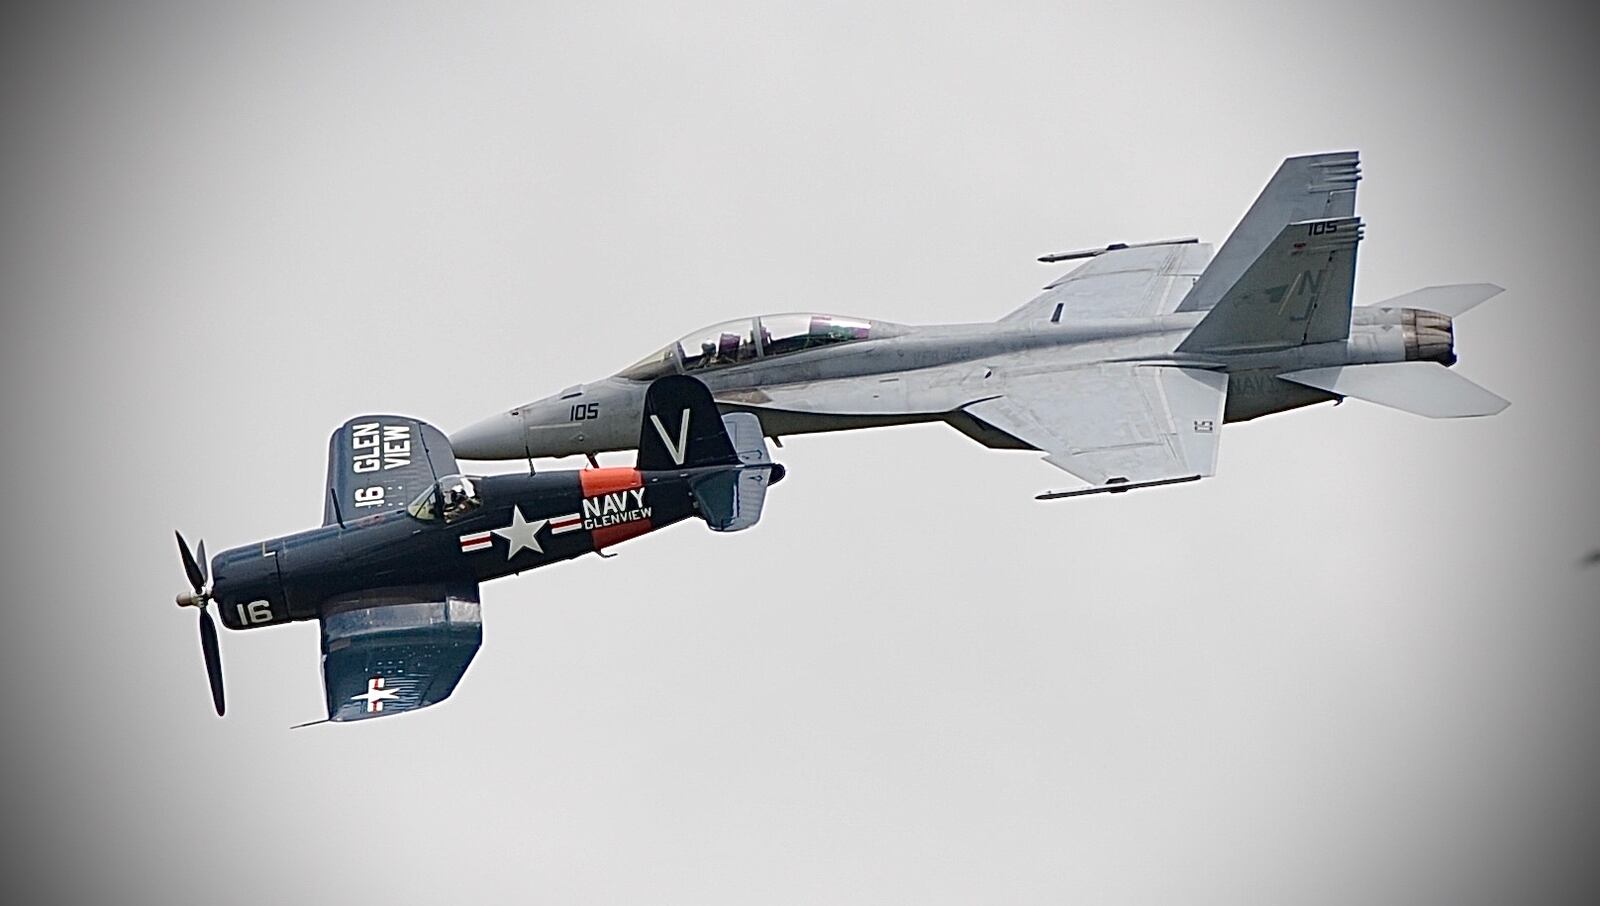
(679, 450)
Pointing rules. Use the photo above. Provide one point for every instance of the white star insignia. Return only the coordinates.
(521, 534)
(375, 695)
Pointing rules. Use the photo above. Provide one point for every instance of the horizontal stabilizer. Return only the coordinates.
(731, 500)
(1423, 388)
(1449, 300)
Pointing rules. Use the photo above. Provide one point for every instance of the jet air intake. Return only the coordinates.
(1429, 336)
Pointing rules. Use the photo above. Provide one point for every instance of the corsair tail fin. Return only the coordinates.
(682, 428)
(731, 501)
(1314, 187)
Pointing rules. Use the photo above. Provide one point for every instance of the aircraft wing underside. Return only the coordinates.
(1142, 282)
(1116, 425)
(392, 650)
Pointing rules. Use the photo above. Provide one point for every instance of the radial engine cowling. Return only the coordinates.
(1429, 336)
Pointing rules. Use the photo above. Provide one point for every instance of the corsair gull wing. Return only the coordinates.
(394, 650)
(378, 463)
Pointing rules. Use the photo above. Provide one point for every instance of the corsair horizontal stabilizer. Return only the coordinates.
(731, 501)
(1451, 300)
(1423, 388)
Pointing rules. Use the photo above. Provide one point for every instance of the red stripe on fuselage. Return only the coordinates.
(606, 536)
(609, 481)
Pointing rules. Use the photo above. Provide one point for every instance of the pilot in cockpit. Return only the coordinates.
(459, 497)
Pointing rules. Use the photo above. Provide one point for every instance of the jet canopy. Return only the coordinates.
(752, 339)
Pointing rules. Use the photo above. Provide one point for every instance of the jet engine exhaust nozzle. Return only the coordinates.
(1429, 336)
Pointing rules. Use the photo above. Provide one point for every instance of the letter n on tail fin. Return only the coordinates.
(1313, 187)
(1297, 292)
(682, 428)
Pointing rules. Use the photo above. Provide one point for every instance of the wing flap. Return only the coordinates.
(1116, 423)
(389, 651)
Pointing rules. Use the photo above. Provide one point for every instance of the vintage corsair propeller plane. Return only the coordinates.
(392, 574)
(1123, 371)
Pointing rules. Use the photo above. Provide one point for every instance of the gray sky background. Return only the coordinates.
(1357, 666)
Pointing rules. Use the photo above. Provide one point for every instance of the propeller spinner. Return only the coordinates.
(200, 597)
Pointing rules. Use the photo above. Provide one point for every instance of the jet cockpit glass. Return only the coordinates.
(747, 340)
(658, 364)
(453, 495)
(714, 347)
(781, 334)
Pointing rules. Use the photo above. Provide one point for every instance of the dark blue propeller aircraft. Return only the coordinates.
(392, 574)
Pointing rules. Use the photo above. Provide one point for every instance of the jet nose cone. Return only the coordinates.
(496, 437)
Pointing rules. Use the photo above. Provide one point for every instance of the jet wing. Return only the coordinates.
(1136, 282)
(392, 650)
(379, 462)
(1115, 425)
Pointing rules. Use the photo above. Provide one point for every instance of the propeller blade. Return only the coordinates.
(197, 579)
(205, 565)
(213, 654)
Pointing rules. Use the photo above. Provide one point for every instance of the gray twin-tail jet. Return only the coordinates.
(1122, 371)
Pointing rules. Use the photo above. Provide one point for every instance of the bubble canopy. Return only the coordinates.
(752, 339)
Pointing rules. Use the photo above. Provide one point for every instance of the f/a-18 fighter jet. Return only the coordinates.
(1122, 371)
(392, 574)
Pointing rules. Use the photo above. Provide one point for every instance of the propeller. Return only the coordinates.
(200, 598)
